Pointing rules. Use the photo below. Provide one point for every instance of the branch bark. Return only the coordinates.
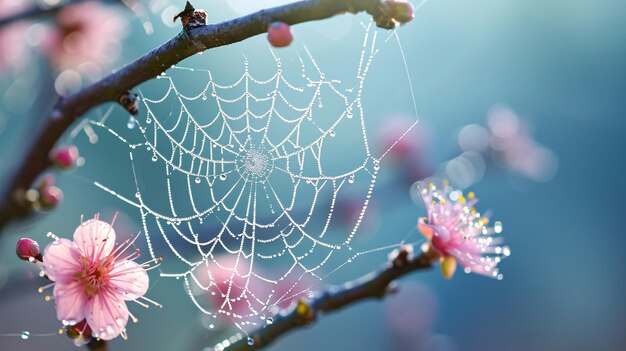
(13, 203)
(374, 285)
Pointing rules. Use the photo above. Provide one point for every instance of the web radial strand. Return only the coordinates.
(253, 171)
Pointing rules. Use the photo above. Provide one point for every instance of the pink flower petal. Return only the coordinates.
(61, 260)
(70, 300)
(129, 279)
(107, 315)
(95, 239)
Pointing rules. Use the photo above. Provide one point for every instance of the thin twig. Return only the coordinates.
(374, 285)
(97, 345)
(13, 203)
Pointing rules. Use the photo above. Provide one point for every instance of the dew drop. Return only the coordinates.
(154, 158)
(197, 180)
(148, 120)
(331, 133)
(222, 176)
(131, 123)
(25, 335)
(269, 320)
(250, 341)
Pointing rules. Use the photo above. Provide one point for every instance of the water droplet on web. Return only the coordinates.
(131, 123)
(197, 180)
(154, 158)
(214, 94)
(250, 341)
(222, 176)
(351, 179)
(25, 335)
(203, 97)
(331, 133)
(269, 320)
(148, 120)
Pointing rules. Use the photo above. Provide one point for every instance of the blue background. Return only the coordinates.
(559, 64)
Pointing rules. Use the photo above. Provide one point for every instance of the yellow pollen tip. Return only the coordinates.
(302, 308)
(448, 266)
(47, 298)
(461, 199)
(484, 221)
(471, 195)
(60, 331)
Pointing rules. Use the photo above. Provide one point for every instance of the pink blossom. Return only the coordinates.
(13, 55)
(93, 279)
(86, 37)
(459, 233)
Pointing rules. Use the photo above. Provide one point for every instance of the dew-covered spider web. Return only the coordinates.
(239, 175)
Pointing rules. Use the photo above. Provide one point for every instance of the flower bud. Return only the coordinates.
(279, 34)
(28, 249)
(401, 11)
(64, 157)
(50, 196)
(448, 266)
(79, 329)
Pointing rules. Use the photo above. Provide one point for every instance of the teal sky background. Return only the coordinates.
(561, 65)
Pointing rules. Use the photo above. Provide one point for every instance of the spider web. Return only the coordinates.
(254, 171)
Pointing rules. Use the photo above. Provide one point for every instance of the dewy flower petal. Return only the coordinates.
(95, 238)
(62, 260)
(130, 279)
(457, 230)
(93, 279)
(70, 302)
(107, 315)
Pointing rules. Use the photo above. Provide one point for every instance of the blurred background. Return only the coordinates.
(521, 102)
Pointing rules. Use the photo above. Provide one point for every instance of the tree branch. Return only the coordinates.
(13, 202)
(374, 285)
(97, 345)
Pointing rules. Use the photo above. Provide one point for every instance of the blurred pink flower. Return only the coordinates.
(407, 145)
(92, 280)
(237, 291)
(86, 38)
(11, 36)
(459, 232)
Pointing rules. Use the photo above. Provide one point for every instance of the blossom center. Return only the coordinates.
(93, 276)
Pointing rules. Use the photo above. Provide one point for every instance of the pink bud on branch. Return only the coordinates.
(50, 196)
(28, 250)
(64, 158)
(279, 34)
